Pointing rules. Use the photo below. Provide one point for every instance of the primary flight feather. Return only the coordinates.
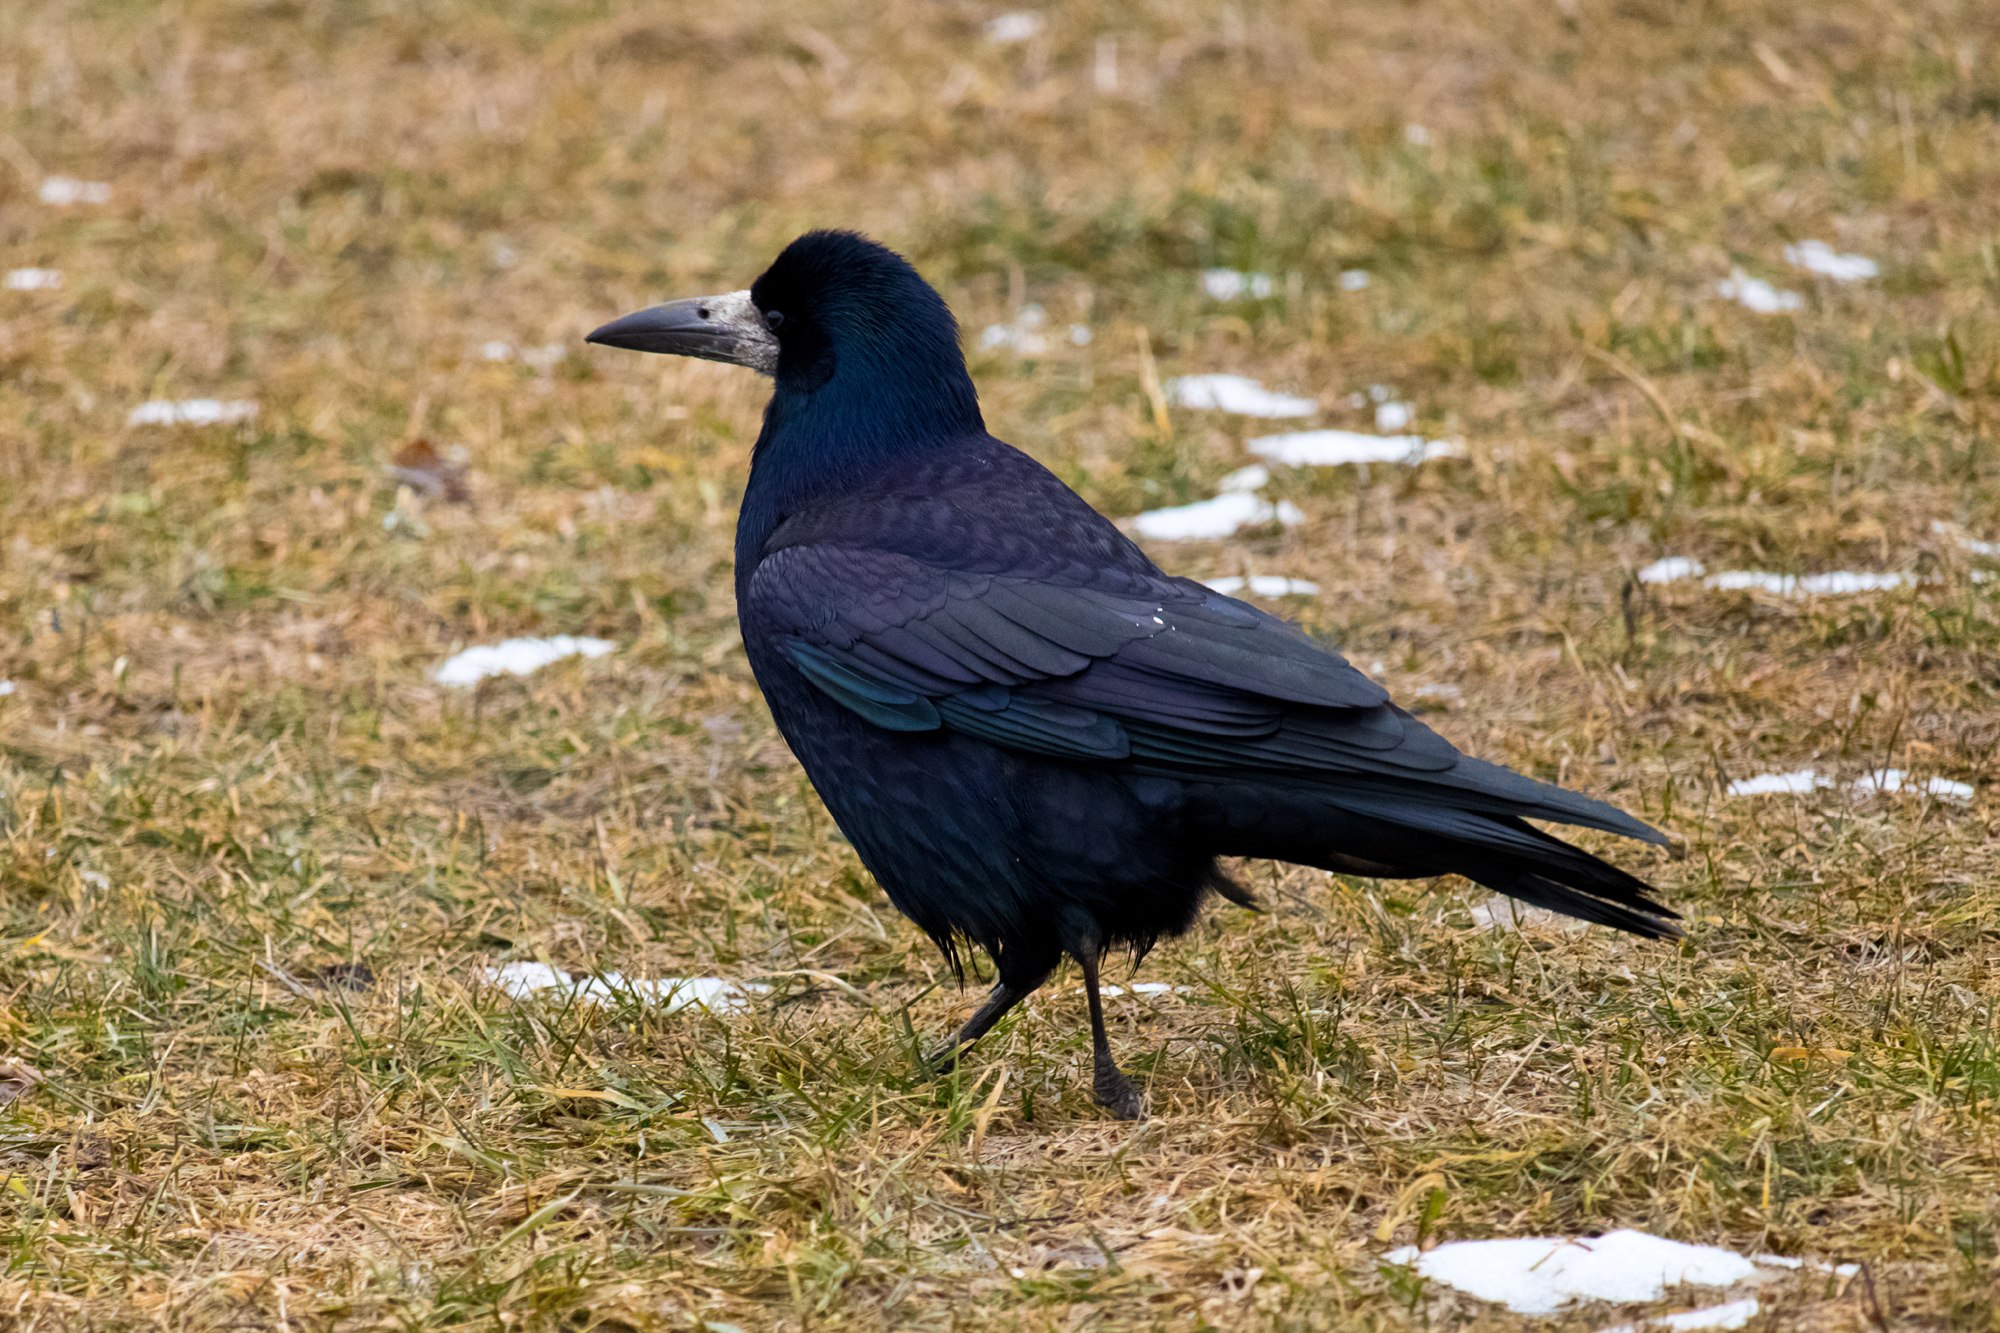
(1037, 740)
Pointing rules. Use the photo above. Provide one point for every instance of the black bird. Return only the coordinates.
(1037, 740)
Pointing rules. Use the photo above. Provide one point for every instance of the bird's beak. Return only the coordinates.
(715, 328)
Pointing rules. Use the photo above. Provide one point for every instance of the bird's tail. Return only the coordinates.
(1398, 835)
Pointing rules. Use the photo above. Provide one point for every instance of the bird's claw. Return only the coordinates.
(1115, 1093)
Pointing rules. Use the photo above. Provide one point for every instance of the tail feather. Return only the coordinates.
(1387, 835)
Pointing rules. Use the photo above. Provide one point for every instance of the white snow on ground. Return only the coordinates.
(6, 688)
(1838, 583)
(1028, 333)
(1671, 569)
(1228, 284)
(1253, 478)
(1393, 416)
(1757, 294)
(1895, 780)
(1019, 26)
(33, 279)
(1540, 1275)
(62, 191)
(1264, 585)
(1880, 781)
(1795, 783)
(1355, 279)
(1835, 583)
(1332, 448)
(514, 657)
(1734, 1314)
(522, 980)
(1237, 394)
(190, 412)
(1219, 517)
(1821, 258)
(1969, 544)
(1500, 910)
(1145, 988)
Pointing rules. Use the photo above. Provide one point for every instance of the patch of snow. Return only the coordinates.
(1540, 1275)
(1237, 394)
(1795, 783)
(1021, 25)
(1820, 1265)
(1880, 781)
(1393, 416)
(33, 279)
(1210, 519)
(1671, 569)
(1417, 134)
(496, 350)
(1252, 478)
(6, 688)
(1024, 334)
(1896, 780)
(1821, 258)
(524, 980)
(1970, 545)
(1264, 585)
(1355, 279)
(1080, 335)
(1733, 1315)
(1145, 988)
(1228, 284)
(1837, 583)
(1757, 294)
(62, 191)
(1332, 448)
(515, 657)
(1500, 910)
(190, 412)
(1443, 691)
(1380, 393)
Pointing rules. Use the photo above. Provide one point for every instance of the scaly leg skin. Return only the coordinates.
(1114, 1091)
(1004, 997)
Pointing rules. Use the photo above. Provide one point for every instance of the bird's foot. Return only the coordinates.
(1116, 1094)
(939, 1063)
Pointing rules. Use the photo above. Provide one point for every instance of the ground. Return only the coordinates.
(255, 863)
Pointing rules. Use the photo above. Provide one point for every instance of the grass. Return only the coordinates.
(253, 864)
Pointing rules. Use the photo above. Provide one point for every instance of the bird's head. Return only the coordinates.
(835, 316)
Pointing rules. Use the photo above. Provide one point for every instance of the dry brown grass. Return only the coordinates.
(224, 768)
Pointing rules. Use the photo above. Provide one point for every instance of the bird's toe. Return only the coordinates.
(1118, 1096)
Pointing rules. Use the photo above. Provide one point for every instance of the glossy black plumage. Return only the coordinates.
(1037, 741)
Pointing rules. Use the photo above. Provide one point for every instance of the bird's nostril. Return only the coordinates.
(701, 310)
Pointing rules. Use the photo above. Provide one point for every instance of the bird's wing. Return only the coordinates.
(1159, 671)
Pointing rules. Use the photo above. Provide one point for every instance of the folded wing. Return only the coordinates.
(1153, 672)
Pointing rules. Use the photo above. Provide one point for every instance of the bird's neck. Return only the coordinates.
(838, 439)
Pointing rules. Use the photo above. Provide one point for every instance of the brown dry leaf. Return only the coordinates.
(420, 466)
(16, 1077)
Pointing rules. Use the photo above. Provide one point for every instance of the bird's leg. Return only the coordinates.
(1004, 997)
(1114, 1091)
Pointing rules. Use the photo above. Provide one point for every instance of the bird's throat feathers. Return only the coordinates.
(882, 393)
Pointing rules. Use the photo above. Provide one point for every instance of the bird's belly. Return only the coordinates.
(1010, 851)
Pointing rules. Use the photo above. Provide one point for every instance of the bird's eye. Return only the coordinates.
(773, 319)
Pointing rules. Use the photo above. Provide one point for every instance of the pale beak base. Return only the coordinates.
(726, 328)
